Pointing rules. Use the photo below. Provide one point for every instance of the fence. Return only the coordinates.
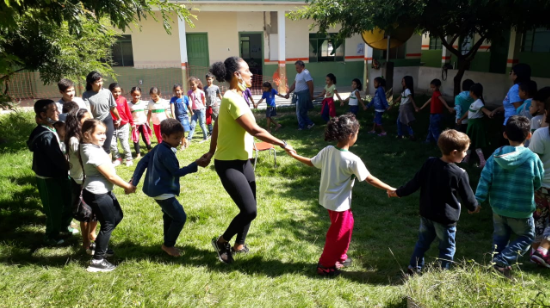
(26, 87)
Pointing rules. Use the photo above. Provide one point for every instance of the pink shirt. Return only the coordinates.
(196, 99)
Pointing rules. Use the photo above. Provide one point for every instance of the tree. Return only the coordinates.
(450, 20)
(69, 38)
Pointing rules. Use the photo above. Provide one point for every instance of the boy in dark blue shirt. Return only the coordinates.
(162, 181)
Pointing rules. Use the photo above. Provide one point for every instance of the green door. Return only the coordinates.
(197, 53)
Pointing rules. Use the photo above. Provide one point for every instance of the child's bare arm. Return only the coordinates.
(148, 116)
(487, 112)
(338, 95)
(444, 102)
(374, 181)
(303, 160)
(320, 95)
(425, 104)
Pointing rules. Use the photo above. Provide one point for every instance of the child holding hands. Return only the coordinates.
(436, 111)
(269, 96)
(443, 185)
(339, 169)
(162, 181)
(328, 110)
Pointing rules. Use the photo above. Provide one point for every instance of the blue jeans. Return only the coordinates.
(301, 109)
(400, 129)
(354, 109)
(174, 218)
(429, 230)
(199, 114)
(433, 129)
(506, 252)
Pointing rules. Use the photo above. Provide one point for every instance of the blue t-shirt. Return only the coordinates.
(270, 97)
(181, 105)
(511, 97)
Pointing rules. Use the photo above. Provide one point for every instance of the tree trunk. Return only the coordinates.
(462, 66)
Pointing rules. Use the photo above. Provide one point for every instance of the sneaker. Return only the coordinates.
(505, 271)
(100, 266)
(399, 137)
(372, 132)
(129, 163)
(224, 251)
(117, 162)
(109, 253)
(91, 250)
(310, 126)
(72, 230)
(138, 156)
(382, 134)
(327, 271)
(346, 263)
(54, 242)
(413, 271)
(244, 250)
(540, 259)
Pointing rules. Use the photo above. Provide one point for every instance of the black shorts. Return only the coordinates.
(270, 112)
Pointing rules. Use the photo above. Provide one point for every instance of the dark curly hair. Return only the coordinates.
(69, 107)
(340, 128)
(224, 71)
(73, 127)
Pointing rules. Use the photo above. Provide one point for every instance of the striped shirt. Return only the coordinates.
(158, 110)
(138, 112)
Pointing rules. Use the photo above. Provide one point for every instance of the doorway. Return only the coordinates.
(197, 53)
(251, 50)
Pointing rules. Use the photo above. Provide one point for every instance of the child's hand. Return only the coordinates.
(417, 109)
(477, 210)
(130, 190)
(203, 161)
(451, 110)
(392, 194)
(342, 104)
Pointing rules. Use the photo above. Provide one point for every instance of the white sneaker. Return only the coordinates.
(117, 162)
(129, 163)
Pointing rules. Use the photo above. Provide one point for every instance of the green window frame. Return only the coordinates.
(122, 53)
(537, 40)
(325, 48)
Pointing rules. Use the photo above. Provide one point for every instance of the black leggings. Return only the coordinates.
(237, 177)
(142, 132)
(108, 212)
(109, 130)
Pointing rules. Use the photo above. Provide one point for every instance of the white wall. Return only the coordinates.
(223, 34)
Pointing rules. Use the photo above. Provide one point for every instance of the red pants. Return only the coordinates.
(329, 103)
(209, 115)
(156, 128)
(338, 238)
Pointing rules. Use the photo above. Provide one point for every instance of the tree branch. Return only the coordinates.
(474, 48)
(450, 47)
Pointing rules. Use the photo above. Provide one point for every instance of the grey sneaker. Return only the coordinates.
(100, 266)
(224, 251)
(310, 126)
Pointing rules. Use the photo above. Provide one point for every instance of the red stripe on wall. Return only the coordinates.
(512, 61)
(413, 55)
(354, 57)
(484, 47)
(368, 59)
(425, 46)
(446, 58)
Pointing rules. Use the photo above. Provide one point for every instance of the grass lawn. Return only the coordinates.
(286, 239)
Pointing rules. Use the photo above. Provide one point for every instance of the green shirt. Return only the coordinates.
(234, 142)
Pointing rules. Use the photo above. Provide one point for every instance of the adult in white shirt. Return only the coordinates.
(303, 91)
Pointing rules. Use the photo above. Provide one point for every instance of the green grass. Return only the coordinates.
(286, 239)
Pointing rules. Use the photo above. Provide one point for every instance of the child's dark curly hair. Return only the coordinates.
(340, 128)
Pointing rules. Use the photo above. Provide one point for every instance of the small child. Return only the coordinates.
(141, 123)
(509, 181)
(527, 90)
(355, 97)
(406, 114)
(159, 110)
(339, 169)
(380, 103)
(162, 181)
(436, 111)
(328, 110)
(538, 109)
(270, 112)
(51, 169)
(180, 111)
(66, 89)
(198, 102)
(59, 127)
(476, 126)
(122, 130)
(443, 186)
(213, 93)
(247, 95)
(462, 102)
(540, 144)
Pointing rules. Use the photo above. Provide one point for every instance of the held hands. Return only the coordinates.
(203, 161)
(287, 96)
(417, 109)
(392, 193)
(365, 108)
(131, 189)
(477, 210)
(342, 104)
(207, 157)
(451, 110)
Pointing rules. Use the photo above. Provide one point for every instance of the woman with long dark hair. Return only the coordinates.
(231, 146)
(102, 104)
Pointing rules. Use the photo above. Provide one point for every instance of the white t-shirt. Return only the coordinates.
(158, 110)
(405, 97)
(474, 112)
(138, 112)
(75, 170)
(536, 122)
(94, 156)
(540, 144)
(353, 101)
(301, 81)
(339, 168)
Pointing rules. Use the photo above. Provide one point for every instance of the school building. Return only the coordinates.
(259, 32)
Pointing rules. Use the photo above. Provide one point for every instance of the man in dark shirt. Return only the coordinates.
(441, 184)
